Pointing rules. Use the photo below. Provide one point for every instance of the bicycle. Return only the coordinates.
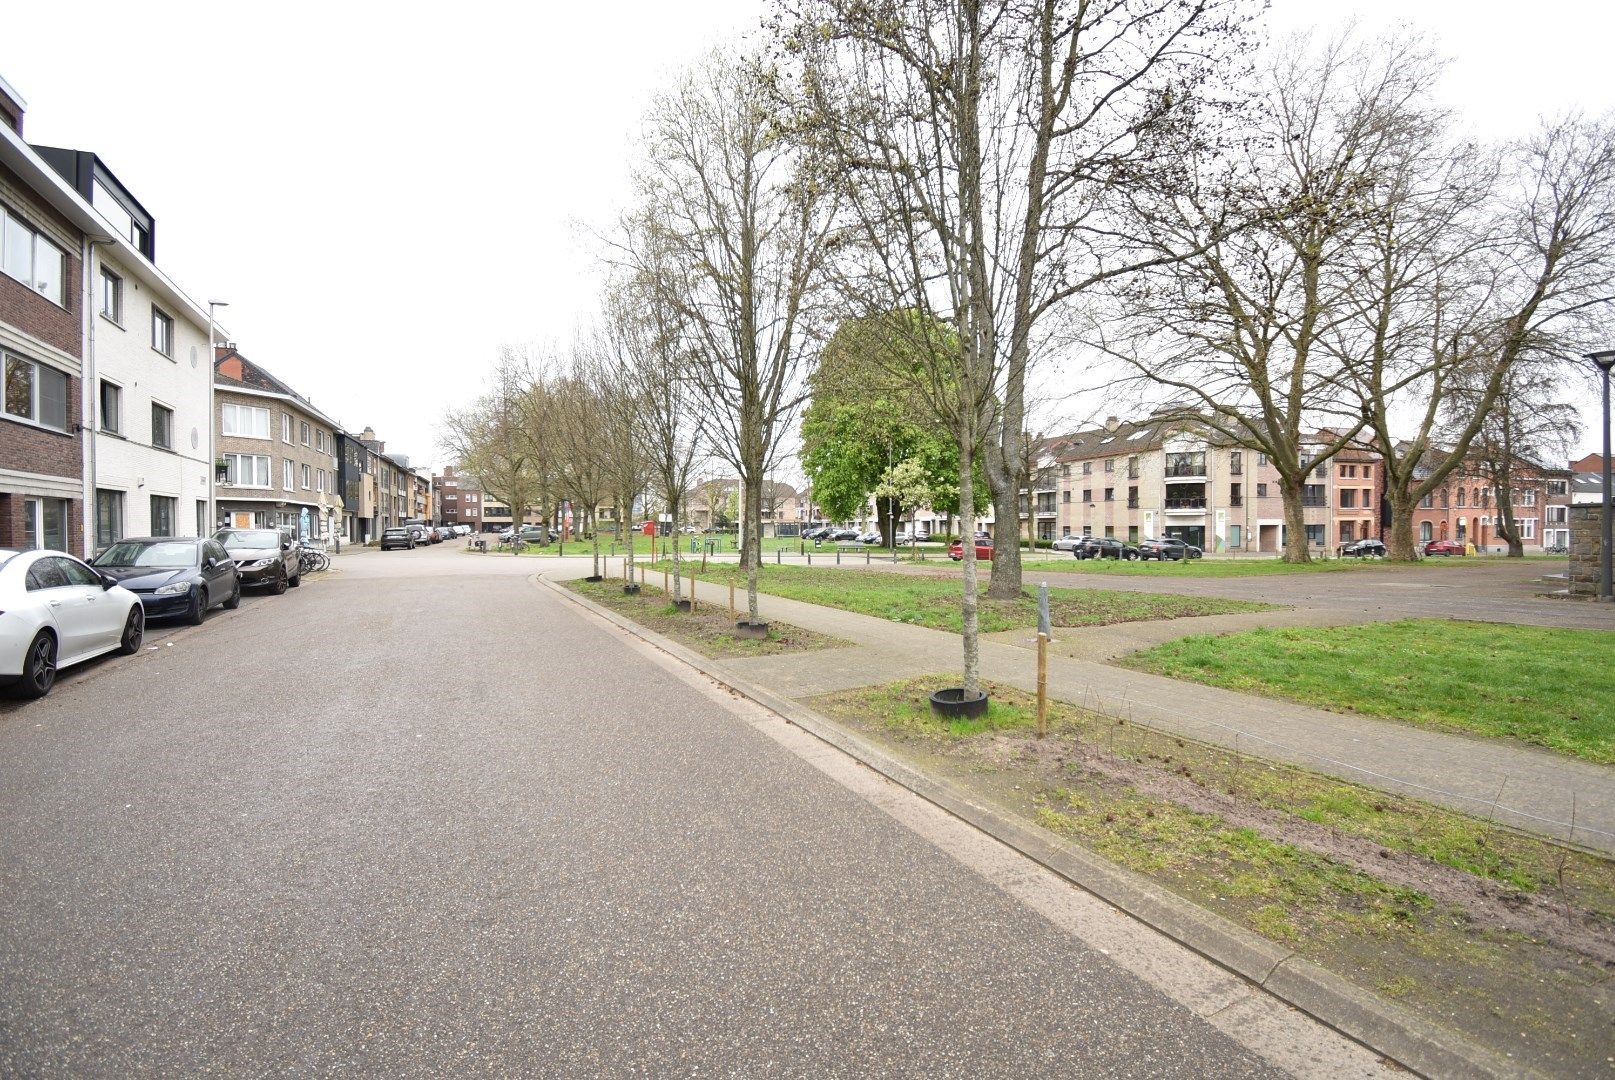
(311, 560)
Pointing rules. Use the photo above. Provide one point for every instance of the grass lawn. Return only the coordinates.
(709, 631)
(1220, 568)
(934, 601)
(1545, 686)
(1494, 932)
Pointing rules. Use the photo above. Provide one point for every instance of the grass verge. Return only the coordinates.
(1545, 686)
(1221, 568)
(709, 631)
(933, 601)
(1505, 937)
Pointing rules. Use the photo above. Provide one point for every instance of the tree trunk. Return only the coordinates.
(673, 536)
(967, 547)
(883, 519)
(1005, 583)
(1295, 522)
(751, 554)
(1402, 547)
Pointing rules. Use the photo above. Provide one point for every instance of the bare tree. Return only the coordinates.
(1005, 131)
(627, 460)
(742, 220)
(492, 443)
(577, 416)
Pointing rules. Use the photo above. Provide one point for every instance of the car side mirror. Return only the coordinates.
(107, 581)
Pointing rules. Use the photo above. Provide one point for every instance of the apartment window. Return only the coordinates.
(1427, 503)
(288, 474)
(162, 426)
(1528, 497)
(319, 479)
(1065, 496)
(1557, 515)
(1348, 498)
(1444, 499)
(44, 523)
(1261, 459)
(1236, 494)
(244, 421)
(1110, 494)
(302, 430)
(1315, 535)
(201, 518)
(1132, 498)
(163, 512)
(1087, 495)
(1368, 472)
(1558, 487)
(111, 407)
(112, 296)
(246, 470)
(162, 332)
(26, 255)
(108, 517)
(1261, 491)
(1087, 468)
(1233, 535)
(1463, 499)
(305, 478)
(1427, 532)
(1349, 471)
(1314, 495)
(1065, 471)
(35, 392)
(1110, 464)
(1527, 528)
(285, 427)
(1321, 471)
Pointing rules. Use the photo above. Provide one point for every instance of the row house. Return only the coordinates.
(105, 428)
(784, 509)
(278, 464)
(459, 498)
(1464, 508)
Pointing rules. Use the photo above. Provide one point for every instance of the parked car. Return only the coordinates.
(462, 530)
(1105, 547)
(446, 532)
(870, 537)
(1367, 548)
(1444, 547)
(400, 538)
(532, 534)
(173, 576)
(263, 557)
(1168, 548)
(55, 612)
(1069, 542)
(984, 550)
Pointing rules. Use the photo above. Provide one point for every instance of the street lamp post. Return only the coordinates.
(1605, 360)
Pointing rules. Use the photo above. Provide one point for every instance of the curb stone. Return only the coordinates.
(1380, 1025)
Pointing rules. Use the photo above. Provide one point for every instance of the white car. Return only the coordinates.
(57, 612)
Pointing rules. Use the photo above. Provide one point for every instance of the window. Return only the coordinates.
(108, 517)
(1427, 532)
(33, 260)
(1065, 496)
(111, 296)
(1349, 471)
(1558, 487)
(1261, 491)
(1527, 528)
(35, 392)
(44, 523)
(1462, 498)
(1314, 495)
(285, 427)
(1233, 535)
(1087, 468)
(1315, 535)
(1444, 499)
(1261, 459)
(163, 513)
(121, 217)
(162, 332)
(1110, 494)
(111, 407)
(319, 479)
(244, 421)
(1427, 503)
(1368, 472)
(305, 476)
(288, 474)
(201, 525)
(1348, 498)
(1110, 464)
(1557, 515)
(1065, 471)
(302, 430)
(162, 426)
(246, 470)
(1087, 495)
(1528, 497)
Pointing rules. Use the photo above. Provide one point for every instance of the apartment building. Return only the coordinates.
(1464, 508)
(459, 498)
(277, 464)
(150, 469)
(44, 232)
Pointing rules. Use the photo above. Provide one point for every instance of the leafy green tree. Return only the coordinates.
(860, 423)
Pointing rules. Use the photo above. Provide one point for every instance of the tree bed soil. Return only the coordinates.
(1505, 937)
(710, 631)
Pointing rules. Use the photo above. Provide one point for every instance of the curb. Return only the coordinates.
(1366, 1018)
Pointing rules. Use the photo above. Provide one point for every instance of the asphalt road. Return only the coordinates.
(423, 818)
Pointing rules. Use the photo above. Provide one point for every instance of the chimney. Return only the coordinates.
(1112, 423)
(223, 350)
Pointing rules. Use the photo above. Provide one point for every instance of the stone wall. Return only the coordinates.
(1585, 526)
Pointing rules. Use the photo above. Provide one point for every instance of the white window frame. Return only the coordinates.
(169, 409)
(116, 427)
(33, 417)
(1527, 528)
(233, 465)
(1556, 515)
(224, 411)
(112, 280)
(307, 476)
(10, 219)
(161, 318)
(288, 474)
(286, 427)
(1558, 487)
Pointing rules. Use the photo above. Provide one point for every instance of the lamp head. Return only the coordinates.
(1605, 360)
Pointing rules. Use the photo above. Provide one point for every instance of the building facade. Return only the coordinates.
(1464, 508)
(277, 464)
(459, 498)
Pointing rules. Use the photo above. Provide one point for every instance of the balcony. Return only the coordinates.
(1197, 470)
(1132, 472)
(1186, 504)
(1132, 504)
(1236, 467)
(1236, 500)
(1314, 500)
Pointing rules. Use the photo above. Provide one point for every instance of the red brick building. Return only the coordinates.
(1464, 508)
(459, 499)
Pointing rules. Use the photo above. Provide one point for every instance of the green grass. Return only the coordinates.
(933, 601)
(1545, 686)
(709, 631)
(1219, 568)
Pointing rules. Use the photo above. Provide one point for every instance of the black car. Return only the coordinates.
(1105, 547)
(1168, 548)
(263, 557)
(402, 539)
(174, 576)
(1367, 548)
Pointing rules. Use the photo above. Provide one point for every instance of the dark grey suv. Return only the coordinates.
(263, 557)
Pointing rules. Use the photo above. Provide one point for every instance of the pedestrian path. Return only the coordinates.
(1516, 785)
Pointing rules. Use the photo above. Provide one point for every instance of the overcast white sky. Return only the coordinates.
(384, 195)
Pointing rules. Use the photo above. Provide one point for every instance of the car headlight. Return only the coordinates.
(261, 563)
(175, 589)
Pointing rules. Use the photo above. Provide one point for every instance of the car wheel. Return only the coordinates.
(134, 631)
(295, 580)
(233, 601)
(279, 587)
(197, 610)
(38, 668)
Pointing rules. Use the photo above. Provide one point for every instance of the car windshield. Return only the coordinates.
(249, 538)
(158, 554)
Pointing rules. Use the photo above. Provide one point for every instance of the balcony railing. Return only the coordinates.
(1314, 500)
(1236, 500)
(1236, 467)
(1185, 504)
(1132, 504)
(1132, 472)
(1186, 470)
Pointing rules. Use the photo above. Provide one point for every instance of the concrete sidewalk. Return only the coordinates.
(1523, 787)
